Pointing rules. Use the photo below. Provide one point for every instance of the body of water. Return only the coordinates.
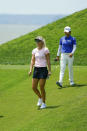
(9, 32)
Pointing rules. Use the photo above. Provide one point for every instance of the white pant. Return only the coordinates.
(65, 59)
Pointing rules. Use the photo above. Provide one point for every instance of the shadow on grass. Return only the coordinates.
(76, 85)
(49, 107)
(1, 117)
(52, 107)
(80, 85)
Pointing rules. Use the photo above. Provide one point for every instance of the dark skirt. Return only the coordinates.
(40, 73)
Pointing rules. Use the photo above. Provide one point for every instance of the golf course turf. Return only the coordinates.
(66, 108)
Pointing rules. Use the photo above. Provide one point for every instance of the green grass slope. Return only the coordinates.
(66, 108)
(18, 51)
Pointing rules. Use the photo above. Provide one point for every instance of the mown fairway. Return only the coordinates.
(66, 108)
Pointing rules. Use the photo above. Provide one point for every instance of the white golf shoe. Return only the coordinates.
(72, 83)
(39, 102)
(43, 106)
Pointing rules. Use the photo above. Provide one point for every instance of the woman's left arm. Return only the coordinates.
(48, 63)
(74, 47)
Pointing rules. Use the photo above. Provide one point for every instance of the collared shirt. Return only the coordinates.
(67, 44)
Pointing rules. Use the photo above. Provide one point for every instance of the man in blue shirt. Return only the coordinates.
(67, 47)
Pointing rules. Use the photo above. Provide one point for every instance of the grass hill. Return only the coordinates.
(18, 51)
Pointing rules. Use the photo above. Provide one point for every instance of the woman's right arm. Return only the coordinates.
(58, 53)
(59, 50)
(32, 64)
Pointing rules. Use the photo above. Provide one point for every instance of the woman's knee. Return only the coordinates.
(34, 88)
(42, 89)
(34, 84)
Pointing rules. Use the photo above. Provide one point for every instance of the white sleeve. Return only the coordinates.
(33, 52)
(47, 51)
(59, 50)
(74, 48)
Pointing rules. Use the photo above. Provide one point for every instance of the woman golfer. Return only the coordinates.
(67, 48)
(40, 60)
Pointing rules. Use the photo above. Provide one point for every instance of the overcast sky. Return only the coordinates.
(41, 6)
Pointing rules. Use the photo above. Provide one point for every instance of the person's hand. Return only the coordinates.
(57, 58)
(49, 73)
(29, 73)
(70, 55)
